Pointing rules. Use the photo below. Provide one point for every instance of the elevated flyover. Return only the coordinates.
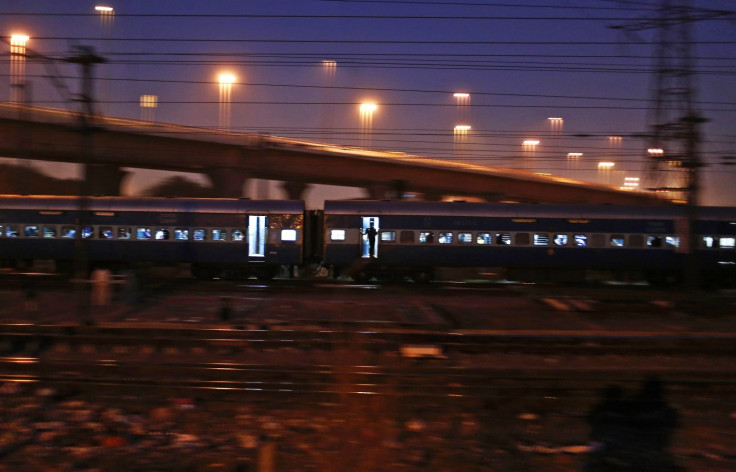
(108, 145)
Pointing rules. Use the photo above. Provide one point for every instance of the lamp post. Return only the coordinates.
(226, 81)
(18, 67)
(366, 122)
(107, 15)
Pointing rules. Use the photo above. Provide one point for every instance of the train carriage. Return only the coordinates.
(217, 236)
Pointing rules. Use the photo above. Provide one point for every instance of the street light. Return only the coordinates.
(226, 81)
(366, 119)
(529, 146)
(461, 138)
(555, 124)
(18, 67)
(149, 103)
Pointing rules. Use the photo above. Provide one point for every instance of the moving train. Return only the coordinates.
(366, 240)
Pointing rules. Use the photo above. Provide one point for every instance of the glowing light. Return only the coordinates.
(606, 165)
(368, 108)
(19, 39)
(615, 141)
(148, 106)
(630, 183)
(366, 120)
(104, 9)
(574, 155)
(226, 83)
(655, 151)
(18, 67)
(462, 128)
(530, 142)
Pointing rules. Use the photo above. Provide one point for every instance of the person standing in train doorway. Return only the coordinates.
(371, 233)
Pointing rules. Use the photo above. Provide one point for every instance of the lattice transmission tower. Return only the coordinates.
(673, 122)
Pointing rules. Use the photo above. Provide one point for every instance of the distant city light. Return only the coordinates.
(368, 107)
(606, 165)
(226, 83)
(462, 128)
(530, 142)
(655, 151)
(19, 39)
(461, 95)
(226, 78)
(103, 8)
(18, 67)
(615, 141)
(149, 101)
(630, 183)
(574, 155)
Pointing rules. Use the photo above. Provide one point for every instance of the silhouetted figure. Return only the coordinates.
(632, 434)
(371, 234)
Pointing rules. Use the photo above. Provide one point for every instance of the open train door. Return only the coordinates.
(257, 228)
(369, 229)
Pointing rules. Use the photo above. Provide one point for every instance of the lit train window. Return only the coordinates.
(219, 235)
(388, 236)
(49, 232)
(406, 237)
(727, 243)
(521, 239)
(143, 233)
(11, 231)
(617, 240)
(105, 232)
(636, 240)
(580, 240)
(483, 238)
(710, 242)
(445, 238)
(672, 241)
(88, 232)
(465, 238)
(181, 234)
(288, 235)
(337, 235)
(199, 234)
(30, 231)
(541, 239)
(2, 230)
(68, 232)
(560, 240)
(426, 237)
(161, 234)
(503, 238)
(123, 232)
(654, 241)
(238, 235)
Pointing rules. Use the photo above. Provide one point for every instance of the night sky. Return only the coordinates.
(522, 62)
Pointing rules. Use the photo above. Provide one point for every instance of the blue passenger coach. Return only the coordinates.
(217, 236)
(527, 241)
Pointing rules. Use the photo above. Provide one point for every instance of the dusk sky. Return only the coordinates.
(522, 62)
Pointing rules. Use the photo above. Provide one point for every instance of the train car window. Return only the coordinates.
(123, 232)
(636, 240)
(11, 231)
(598, 240)
(727, 243)
(48, 231)
(445, 238)
(521, 239)
(239, 235)
(2, 231)
(503, 238)
(617, 240)
(337, 235)
(654, 241)
(426, 237)
(483, 238)
(181, 234)
(161, 234)
(219, 235)
(465, 238)
(68, 232)
(143, 233)
(199, 234)
(88, 232)
(710, 242)
(288, 235)
(560, 240)
(541, 239)
(406, 237)
(672, 241)
(105, 232)
(30, 231)
(580, 240)
(388, 236)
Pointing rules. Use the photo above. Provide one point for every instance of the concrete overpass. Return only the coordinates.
(229, 159)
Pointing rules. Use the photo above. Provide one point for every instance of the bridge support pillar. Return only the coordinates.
(295, 190)
(104, 179)
(227, 183)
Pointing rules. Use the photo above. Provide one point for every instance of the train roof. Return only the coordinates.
(519, 210)
(158, 204)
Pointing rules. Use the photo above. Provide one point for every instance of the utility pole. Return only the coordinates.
(87, 59)
(674, 137)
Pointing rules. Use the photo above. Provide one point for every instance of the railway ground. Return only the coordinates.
(524, 423)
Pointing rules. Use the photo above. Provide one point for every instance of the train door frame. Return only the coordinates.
(257, 236)
(364, 246)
